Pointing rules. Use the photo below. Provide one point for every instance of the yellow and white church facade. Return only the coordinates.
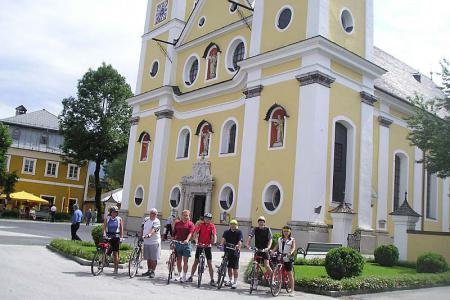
(277, 108)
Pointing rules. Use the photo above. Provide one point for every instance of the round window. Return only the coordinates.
(272, 198)
(284, 18)
(201, 21)
(191, 71)
(175, 197)
(226, 198)
(139, 196)
(347, 21)
(233, 7)
(238, 55)
(155, 68)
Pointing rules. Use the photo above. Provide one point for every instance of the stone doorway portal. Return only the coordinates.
(199, 207)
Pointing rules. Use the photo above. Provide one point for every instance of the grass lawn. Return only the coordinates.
(370, 269)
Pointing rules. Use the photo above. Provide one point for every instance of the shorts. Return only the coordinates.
(288, 266)
(183, 249)
(233, 260)
(152, 252)
(207, 253)
(264, 255)
(115, 244)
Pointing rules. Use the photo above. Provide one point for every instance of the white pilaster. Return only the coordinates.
(143, 49)
(369, 30)
(417, 201)
(401, 225)
(383, 172)
(445, 205)
(318, 18)
(342, 227)
(158, 169)
(257, 27)
(248, 157)
(366, 163)
(179, 10)
(311, 150)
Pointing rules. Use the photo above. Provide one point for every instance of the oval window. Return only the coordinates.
(201, 22)
(175, 197)
(272, 198)
(139, 196)
(284, 18)
(155, 68)
(347, 21)
(226, 198)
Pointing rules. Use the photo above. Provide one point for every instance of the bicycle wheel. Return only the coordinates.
(134, 262)
(171, 265)
(201, 269)
(276, 282)
(253, 278)
(221, 273)
(98, 263)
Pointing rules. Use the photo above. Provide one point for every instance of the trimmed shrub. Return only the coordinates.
(316, 261)
(430, 262)
(14, 213)
(97, 234)
(343, 262)
(59, 216)
(386, 255)
(275, 238)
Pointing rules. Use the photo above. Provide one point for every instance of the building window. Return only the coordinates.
(15, 134)
(44, 140)
(175, 197)
(340, 163)
(51, 169)
(50, 199)
(400, 178)
(431, 196)
(228, 137)
(72, 202)
(154, 69)
(139, 196)
(184, 138)
(161, 12)
(276, 116)
(347, 21)
(144, 139)
(226, 198)
(235, 54)
(191, 71)
(272, 197)
(29, 166)
(204, 131)
(201, 22)
(73, 172)
(284, 18)
(233, 8)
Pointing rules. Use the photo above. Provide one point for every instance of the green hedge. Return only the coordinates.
(60, 216)
(10, 214)
(386, 255)
(343, 262)
(430, 262)
(97, 233)
(86, 250)
(316, 261)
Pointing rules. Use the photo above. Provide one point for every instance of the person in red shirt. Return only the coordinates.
(182, 232)
(205, 235)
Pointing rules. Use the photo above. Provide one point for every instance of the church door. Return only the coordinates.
(199, 207)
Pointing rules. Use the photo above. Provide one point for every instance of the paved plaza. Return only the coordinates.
(30, 271)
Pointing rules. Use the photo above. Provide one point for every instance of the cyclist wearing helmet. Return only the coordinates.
(263, 241)
(286, 246)
(206, 234)
(232, 236)
(113, 228)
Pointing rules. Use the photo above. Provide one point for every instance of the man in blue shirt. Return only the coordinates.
(77, 216)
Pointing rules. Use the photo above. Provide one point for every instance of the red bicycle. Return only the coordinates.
(280, 277)
(172, 259)
(257, 272)
(102, 257)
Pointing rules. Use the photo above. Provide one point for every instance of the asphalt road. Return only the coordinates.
(30, 271)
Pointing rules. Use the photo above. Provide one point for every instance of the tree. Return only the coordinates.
(7, 180)
(96, 124)
(115, 171)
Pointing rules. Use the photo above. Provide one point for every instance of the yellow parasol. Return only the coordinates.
(24, 196)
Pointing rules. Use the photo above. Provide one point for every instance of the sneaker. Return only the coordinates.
(292, 294)
(227, 283)
(189, 279)
(152, 274)
(183, 279)
(234, 285)
(146, 273)
(212, 283)
(179, 278)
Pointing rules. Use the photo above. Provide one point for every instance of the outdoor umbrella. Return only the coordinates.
(24, 196)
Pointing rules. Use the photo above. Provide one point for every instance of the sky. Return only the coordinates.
(47, 45)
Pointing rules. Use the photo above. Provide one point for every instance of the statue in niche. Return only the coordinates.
(205, 141)
(278, 125)
(212, 64)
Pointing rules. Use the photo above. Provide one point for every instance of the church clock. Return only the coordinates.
(161, 12)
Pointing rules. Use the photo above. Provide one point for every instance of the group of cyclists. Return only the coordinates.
(204, 235)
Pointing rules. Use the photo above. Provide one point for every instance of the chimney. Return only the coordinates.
(21, 110)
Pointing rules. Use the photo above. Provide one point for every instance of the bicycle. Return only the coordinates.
(102, 257)
(136, 256)
(279, 277)
(201, 263)
(222, 269)
(257, 270)
(172, 259)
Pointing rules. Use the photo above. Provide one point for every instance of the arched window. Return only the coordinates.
(272, 197)
(228, 138)
(276, 116)
(340, 163)
(144, 139)
(204, 131)
(432, 195)
(400, 178)
(175, 197)
(139, 196)
(184, 138)
(226, 198)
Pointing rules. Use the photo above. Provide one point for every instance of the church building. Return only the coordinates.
(277, 108)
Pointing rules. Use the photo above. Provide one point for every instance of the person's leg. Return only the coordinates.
(230, 274)
(179, 259)
(185, 264)
(194, 267)
(267, 265)
(72, 231)
(291, 280)
(211, 271)
(77, 226)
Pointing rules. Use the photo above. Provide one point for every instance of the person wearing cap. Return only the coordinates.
(205, 234)
(263, 241)
(232, 236)
(182, 232)
(77, 216)
(152, 241)
(113, 229)
(286, 246)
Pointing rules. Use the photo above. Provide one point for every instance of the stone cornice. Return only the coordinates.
(368, 98)
(315, 77)
(134, 121)
(164, 114)
(253, 91)
(386, 122)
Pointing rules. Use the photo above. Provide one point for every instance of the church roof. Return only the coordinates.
(37, 119)
(402, 80)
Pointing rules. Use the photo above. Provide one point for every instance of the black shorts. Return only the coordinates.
(233, 260)
(264, 255)
(115, 243)
(288, 266)
(207, 253)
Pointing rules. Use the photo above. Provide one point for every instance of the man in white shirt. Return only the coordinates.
(53, 212)
(152, 241)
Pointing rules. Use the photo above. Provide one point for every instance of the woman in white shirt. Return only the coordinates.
(286, 245)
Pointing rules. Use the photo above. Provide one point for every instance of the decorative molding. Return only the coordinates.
(386, 122)
(253, 91)
(368, 98)
(315, 77)
(164, 114)
(134, 121)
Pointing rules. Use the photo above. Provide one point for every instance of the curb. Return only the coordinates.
(79, 260)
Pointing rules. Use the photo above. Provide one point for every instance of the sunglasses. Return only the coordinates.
(286, 231)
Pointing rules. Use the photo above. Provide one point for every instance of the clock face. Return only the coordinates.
(161, 12)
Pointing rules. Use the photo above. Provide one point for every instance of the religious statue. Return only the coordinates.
(212, 64)
(279, 127)
(205, 142)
